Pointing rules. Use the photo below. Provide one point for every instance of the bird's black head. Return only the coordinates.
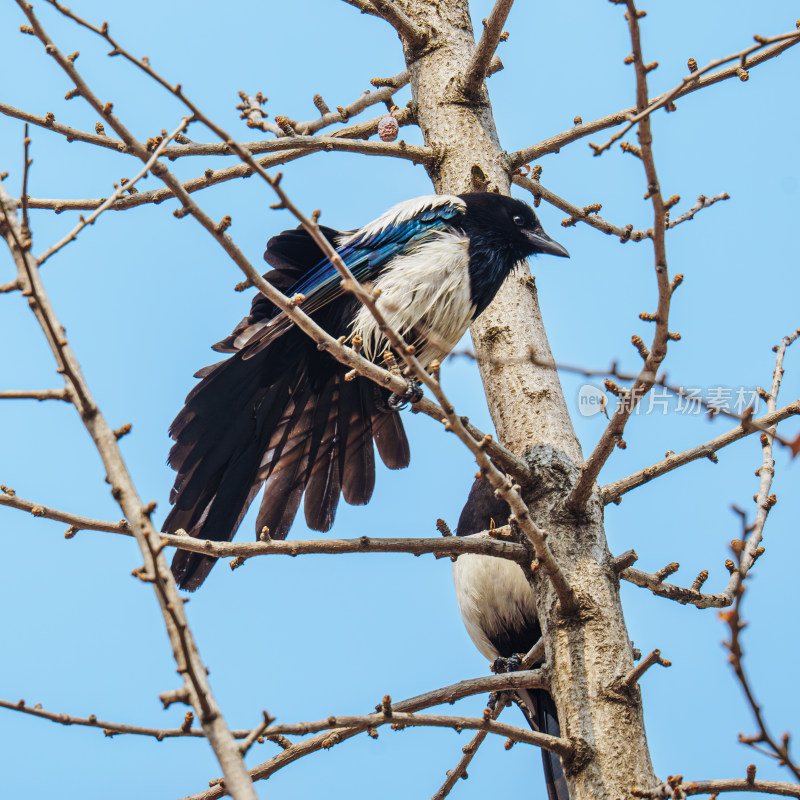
(502, 231)
(510, 224)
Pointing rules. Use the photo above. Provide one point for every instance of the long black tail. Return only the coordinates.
(295, 428)
(540, 711)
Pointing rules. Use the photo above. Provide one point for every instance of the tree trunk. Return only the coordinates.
(589, 653)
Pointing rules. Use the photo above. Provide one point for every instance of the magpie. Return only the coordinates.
(281, 414)
(498, 607)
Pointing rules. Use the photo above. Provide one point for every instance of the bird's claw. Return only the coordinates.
(412, 394)
(511, 664)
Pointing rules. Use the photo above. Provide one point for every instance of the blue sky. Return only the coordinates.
(143, 295)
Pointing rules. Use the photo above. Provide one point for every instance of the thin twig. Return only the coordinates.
(36, 394)
(155, 569)
(667, 791)
(589, 214)
(612, 492)
(554, 143)
(680, 594)
(439, 547)
(733, 619)
(304, 141)
(475, 73)
(653, 357)
(406, 28)
(26, 168)
(633, 677)
(119, 192)
(766, 472)
(665, 99)
(256, 733)
(76, 522)
(468, 753)
(446, 694)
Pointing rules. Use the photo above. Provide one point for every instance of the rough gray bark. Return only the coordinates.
(589, 653)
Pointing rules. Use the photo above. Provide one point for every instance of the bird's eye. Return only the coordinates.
(517, 220)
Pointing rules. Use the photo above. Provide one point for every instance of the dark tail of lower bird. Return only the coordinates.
(540, 711)
(285, 419)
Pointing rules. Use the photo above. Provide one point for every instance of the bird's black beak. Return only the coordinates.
(544, 244)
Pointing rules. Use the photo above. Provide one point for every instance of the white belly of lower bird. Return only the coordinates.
(493, 595)
(425, 295)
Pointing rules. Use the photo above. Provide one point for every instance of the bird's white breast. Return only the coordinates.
(493, 595)
(427, 290)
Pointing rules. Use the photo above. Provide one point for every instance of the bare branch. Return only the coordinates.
(589, 214)
(448, 694)
(490, 39)
(10, 286)
(612, 436)
(691, 596)
(154, 569)
(406, 28)
(364, 6)
(654, 657)
(71, 134)
(36, 394)
(439, 547)
(735, 624)
(665, 99)
(555, 143)
(258, 731)
(119, 192)
(612, 492)
(666, 791)
(76, 522)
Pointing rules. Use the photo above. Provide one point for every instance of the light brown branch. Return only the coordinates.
(766, 473)
(414, 36)
(447, 694)
(679, 594)
(612, 492)
(258, 731)
(119, 192)
(780, 752)
(36, 394)
(589, 216)
(468, 753)
(665, 99)
(9, 498)
(10, 286)
(439, 547)
(361, 130)
(712, 787)
(490, 39)
(154, 570)
(612, 436)
(654, 657)
(71, 134)
(554, 143)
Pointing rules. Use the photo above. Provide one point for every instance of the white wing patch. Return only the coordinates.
(493, 595)
(425, 295)
(403, 212)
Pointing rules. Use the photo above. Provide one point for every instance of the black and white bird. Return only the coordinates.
(498, 607)
(279, 413)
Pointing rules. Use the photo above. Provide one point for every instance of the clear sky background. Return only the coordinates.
(143, 295)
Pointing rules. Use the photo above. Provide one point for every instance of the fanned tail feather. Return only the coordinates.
(253, 422)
